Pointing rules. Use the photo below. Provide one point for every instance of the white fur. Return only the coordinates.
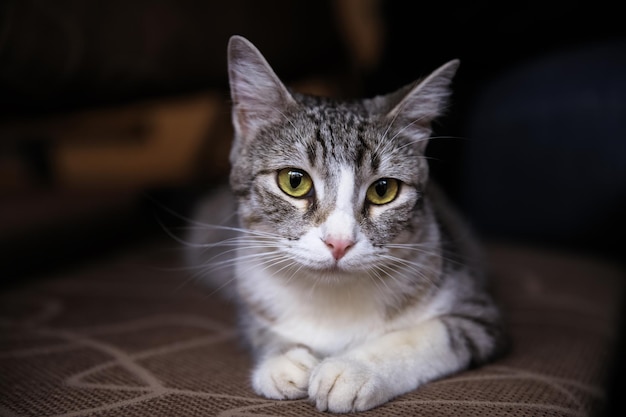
(382, 368)
(341, 224)
(355, 356)
(365, 359)
(359, 358)
(285, 376)
(330, 324)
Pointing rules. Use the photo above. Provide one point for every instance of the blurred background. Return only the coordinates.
(110, 110)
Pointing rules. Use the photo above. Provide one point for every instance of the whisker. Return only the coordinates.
(242, 258)
(419, 119)
(248, 262)
(294, 273)
(378, 278)
(395, 275)
(414, 267)
(429, 138)
(458, 259)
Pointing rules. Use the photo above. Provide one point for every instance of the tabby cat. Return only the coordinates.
(355, 279)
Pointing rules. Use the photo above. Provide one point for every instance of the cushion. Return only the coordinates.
(138, 334)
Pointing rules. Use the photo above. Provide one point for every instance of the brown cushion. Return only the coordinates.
(137, 336)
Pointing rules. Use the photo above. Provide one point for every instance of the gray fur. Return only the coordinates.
(382, 137)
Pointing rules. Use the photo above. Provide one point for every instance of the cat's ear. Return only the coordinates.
(414, 108)
(258, 95)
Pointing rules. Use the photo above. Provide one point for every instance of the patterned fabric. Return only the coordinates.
(139, 336)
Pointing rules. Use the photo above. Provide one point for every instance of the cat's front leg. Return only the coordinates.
(285, 375)
(375, 372)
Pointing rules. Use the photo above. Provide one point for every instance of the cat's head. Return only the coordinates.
(339, 183)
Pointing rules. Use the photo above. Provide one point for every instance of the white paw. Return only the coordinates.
(285, 376)
(340, 386)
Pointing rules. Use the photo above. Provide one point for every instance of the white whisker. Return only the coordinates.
(417, 268)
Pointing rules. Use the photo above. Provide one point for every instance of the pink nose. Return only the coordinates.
(338, 247)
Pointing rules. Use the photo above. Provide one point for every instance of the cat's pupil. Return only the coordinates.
(295, 179)
(381, 188)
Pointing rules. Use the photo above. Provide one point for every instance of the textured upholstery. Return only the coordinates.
(137, 335)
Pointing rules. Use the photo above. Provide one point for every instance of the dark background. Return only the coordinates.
(537, 120)
(533, 149)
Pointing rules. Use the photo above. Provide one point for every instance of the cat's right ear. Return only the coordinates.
(258, 95)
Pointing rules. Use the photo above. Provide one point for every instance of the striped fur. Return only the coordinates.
(403, 300)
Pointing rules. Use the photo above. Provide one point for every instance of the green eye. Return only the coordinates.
(383, 191)
(295, 182)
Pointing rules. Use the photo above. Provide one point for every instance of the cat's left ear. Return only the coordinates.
(418, 105)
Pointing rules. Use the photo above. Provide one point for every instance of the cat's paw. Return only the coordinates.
(285, 376)
(341, 385)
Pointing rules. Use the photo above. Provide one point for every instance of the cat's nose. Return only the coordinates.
(338, 247)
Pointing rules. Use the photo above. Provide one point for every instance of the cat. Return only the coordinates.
(355, 279)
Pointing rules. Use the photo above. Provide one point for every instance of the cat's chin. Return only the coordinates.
(332, 274)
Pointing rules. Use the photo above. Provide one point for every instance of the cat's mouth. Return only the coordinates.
(332, 275)
(332, 269)
(335, 271)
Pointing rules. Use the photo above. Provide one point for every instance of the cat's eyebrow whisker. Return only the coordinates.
(383, 138)
(393, 119)
(395, 116)
(291, 123)
(387, 142)
(419, 119)
(447, 137)
(429, 138)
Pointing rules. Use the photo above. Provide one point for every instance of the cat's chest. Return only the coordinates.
(328, 320)
(329, 326)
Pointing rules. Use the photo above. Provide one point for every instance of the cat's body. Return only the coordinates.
(355, 279)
